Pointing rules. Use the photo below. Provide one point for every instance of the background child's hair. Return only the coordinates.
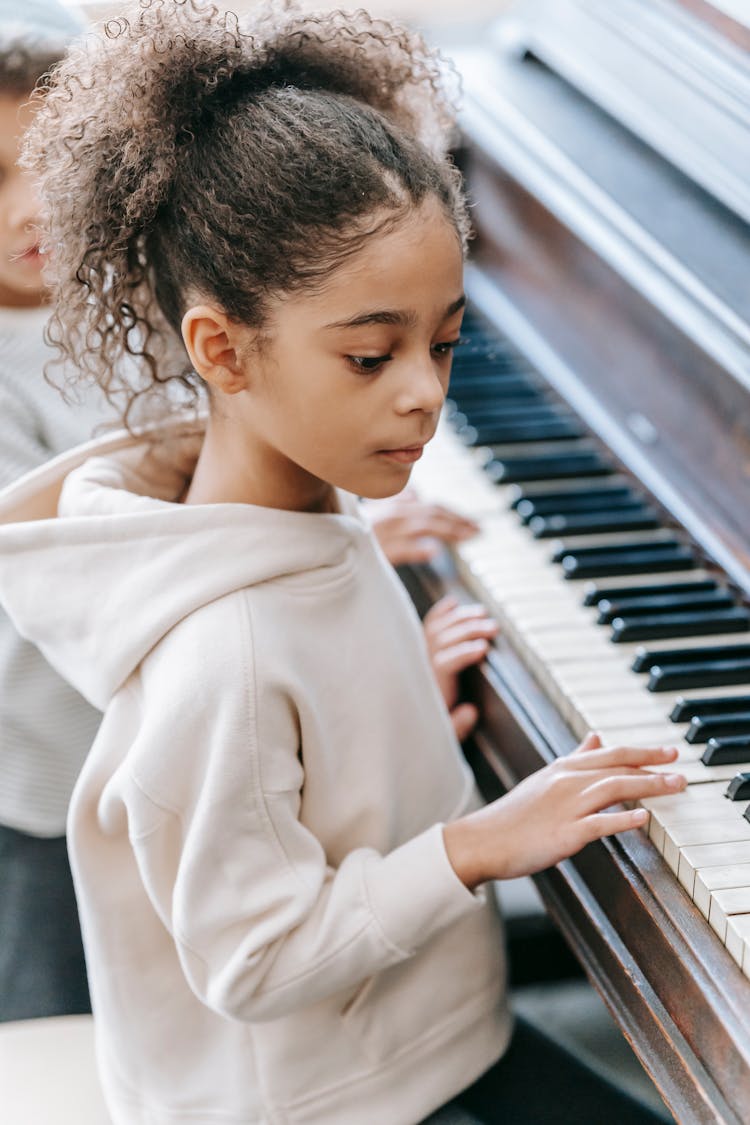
(182, 154)
(34, 35)
(25, 59)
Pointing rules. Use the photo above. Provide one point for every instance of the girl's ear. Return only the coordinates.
(214, 344)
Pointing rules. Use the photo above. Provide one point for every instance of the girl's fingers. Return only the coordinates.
(632, 787)
(451, 661)
(613, 757)
(470, 611)
(590, 742)
(606, 824)
(442, 524)
(441, 608)
(449, 635)
(401, 552)
(464, 718)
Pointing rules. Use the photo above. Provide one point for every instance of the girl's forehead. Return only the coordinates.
(418, 263)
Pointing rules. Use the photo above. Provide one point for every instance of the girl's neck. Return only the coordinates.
(232, 469)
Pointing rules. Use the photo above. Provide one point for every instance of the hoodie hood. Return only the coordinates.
(98, 560)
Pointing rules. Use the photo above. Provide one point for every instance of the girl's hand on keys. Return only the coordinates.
(457, 636)
(555, 812)
(410, 531)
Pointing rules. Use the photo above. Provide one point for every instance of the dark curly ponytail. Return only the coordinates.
(181, 153)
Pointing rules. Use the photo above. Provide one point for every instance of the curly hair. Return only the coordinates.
(182, 152)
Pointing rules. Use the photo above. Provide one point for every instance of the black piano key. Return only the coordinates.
(727, 751)
(469, 415)
(686, 709)
(604, 500)
(590, 523)
(482, 382)
(482, 372)
(482, 385)
(524, 408)
(597, 593)
(470, 400)
(704, 654)
(500, 411)
(720, 673)
(662, 603)
(609, 564)
(521, 412)
(627, 629)
(599, 487)
(547, 466)
(739, 787)
(556, 429)
(704, 728)
(654, 546)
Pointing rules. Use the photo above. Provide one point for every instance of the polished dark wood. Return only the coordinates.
(613, 248)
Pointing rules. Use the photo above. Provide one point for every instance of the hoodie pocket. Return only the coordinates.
(458, 973)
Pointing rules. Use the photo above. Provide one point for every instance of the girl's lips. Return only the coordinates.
(404, 456)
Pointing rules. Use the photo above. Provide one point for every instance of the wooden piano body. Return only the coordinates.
(606, 148)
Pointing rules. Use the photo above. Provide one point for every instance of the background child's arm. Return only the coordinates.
(557, 811)
(21, 448)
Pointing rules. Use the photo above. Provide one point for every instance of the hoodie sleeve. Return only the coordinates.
(262, 922)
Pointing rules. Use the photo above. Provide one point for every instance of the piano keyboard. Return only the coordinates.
(609, 608)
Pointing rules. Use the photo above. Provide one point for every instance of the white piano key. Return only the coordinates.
(733, 900)
(619, 710)
(672, 578)
(645, 735)
(696, 857)
(710, 879)
(664, 817)
(697, 773)
(682, 836)
(696, 795)
(738, 940)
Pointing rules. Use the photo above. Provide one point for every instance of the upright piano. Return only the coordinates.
(598, 428)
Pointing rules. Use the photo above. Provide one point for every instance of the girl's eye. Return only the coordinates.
(367, 364)
(448, 347)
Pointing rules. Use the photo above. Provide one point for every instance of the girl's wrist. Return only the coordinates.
(463, 846)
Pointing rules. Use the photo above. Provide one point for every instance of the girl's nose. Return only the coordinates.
(423, 390)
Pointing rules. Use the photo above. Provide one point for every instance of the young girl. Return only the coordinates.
(277, 845)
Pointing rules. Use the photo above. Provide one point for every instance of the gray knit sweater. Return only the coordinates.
(46, 728)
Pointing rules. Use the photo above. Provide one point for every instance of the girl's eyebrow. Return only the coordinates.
(404, 318)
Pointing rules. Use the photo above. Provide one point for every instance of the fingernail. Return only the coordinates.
(675, 781)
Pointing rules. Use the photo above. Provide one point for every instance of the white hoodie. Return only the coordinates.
(273, 930)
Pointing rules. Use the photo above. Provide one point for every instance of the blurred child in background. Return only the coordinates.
(46, 728)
